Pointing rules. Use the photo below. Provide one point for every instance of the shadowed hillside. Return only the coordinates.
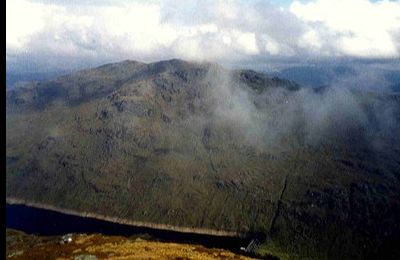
(196, 145)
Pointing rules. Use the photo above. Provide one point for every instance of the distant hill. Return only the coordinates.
(316, 76)
(15, 78)
(199, 146)
(312, 75)
(393, 77)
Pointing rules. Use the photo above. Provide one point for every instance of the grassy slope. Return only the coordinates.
(22, 246)
(135, 141)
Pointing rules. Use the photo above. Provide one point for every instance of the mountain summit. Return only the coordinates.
(195, 145)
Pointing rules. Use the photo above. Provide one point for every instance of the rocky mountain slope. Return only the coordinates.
(197, 145)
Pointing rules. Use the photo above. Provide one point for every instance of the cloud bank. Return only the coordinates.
(61, 33)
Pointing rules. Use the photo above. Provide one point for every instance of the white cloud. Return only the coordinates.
(212, 30)
(356, 27)
(245, 42)
(310, 39)
(272, 48)
(24, 19)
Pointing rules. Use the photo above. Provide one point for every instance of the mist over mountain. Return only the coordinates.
(190, 144)
(276, 122)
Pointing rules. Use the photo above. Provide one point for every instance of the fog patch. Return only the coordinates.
(280, 119)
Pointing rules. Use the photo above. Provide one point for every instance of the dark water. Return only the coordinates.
(33, 220)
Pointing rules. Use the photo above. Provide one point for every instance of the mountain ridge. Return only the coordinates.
(194, 144)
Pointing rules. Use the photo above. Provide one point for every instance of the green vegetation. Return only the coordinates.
(155, 143)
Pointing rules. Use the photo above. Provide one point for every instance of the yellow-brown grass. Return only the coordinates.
(107, 247)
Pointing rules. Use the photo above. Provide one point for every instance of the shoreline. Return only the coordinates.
(123, 221)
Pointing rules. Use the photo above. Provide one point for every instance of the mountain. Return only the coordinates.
(325, 75)
(315, 173)
(18, 78)
(314, 76)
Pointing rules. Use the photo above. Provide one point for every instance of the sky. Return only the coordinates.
(46, 35)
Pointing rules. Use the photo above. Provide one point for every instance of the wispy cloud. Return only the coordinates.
(56, 33)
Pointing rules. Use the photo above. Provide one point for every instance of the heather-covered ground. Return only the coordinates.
(96, 246)
(199, 146)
